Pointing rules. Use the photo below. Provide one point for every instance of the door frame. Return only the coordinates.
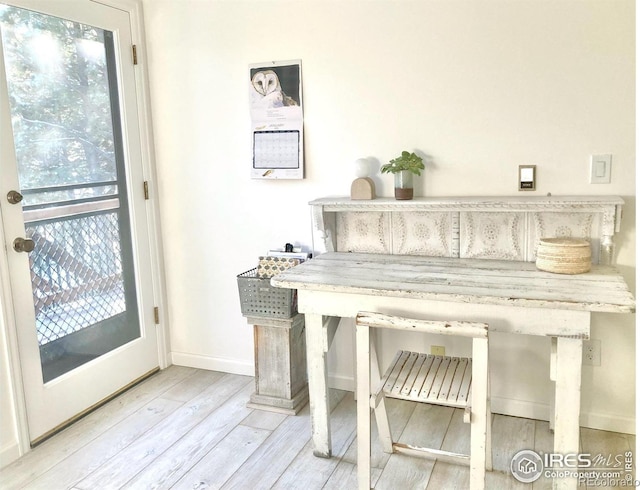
(8, 328)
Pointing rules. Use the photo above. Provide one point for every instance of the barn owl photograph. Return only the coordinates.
(266, 91)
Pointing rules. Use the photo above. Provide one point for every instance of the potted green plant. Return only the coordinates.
(403, 169)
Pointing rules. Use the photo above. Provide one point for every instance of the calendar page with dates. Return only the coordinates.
(275, 97)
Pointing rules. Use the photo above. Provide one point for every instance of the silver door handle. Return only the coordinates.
(14, 197)
(24, 245)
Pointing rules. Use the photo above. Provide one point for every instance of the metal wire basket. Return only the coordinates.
(259, 298)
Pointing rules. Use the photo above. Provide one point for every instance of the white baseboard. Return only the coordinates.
(520, 408)
(233, 366)
(540, 411)
(528, 410)
(345, 383)
(9, 453)
(625, 425)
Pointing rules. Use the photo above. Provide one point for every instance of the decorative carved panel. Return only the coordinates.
(363, 232)
(422, 233)
(565, 225)
(507, 228)
(488, 235)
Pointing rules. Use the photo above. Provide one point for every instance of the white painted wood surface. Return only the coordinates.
(400, 380)
(479, 416)
(511, 296)
(363, 409)
(507, 228)
(490, 282)
(461, 329)
(317, 348)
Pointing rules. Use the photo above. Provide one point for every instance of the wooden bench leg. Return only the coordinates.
(384, 429)
(479, 416)
(375, 362)
(363, 388)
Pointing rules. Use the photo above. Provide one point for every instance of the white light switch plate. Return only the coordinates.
(600, 169)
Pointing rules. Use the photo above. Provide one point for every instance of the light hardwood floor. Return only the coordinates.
(190, 429)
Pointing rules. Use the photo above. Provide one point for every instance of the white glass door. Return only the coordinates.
(76, 231)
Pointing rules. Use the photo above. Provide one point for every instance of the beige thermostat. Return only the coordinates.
(527, 178)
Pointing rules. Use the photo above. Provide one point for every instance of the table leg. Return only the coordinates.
(567, 410)
(317, 346)
(552, 376)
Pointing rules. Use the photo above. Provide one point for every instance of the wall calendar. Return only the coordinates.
(275, 99)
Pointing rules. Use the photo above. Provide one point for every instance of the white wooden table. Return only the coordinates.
(510, 296)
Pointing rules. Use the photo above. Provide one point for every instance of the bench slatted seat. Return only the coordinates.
(429, 379)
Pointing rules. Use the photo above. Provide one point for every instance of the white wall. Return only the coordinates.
(480, 86)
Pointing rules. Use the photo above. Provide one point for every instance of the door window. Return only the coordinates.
(63, 96)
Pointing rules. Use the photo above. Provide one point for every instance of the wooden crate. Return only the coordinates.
(280, 364)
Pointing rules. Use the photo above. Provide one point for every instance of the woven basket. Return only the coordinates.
(564, 255)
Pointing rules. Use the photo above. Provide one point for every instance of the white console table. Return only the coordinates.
(514, 298)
